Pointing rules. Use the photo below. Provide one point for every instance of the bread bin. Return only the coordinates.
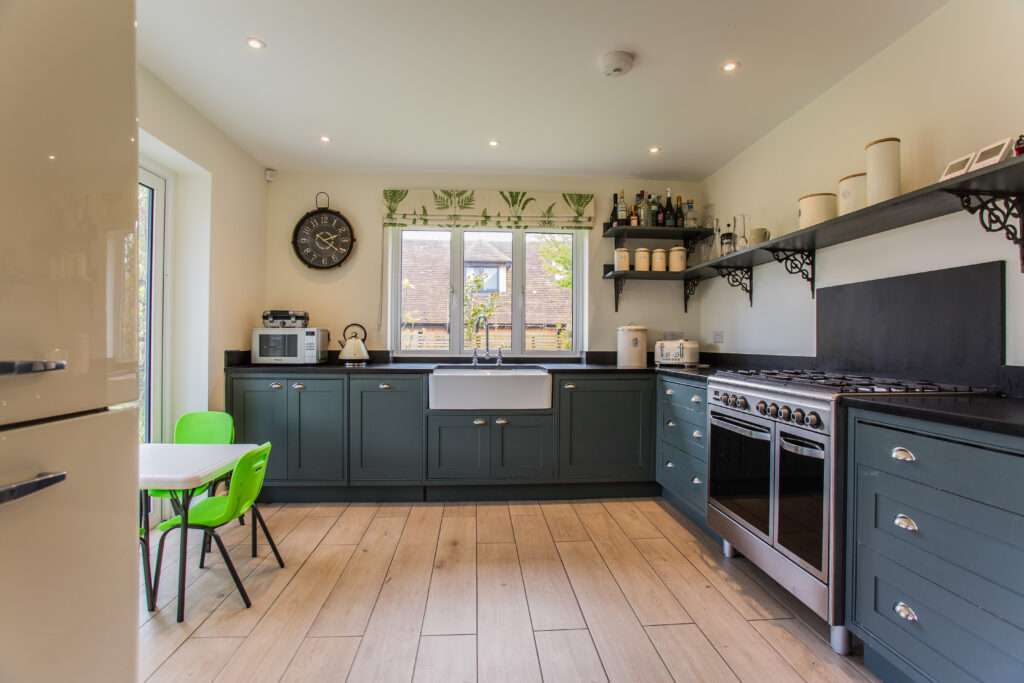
(632, 347)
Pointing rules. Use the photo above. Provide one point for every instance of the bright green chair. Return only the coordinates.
(207, 427)
(210, 514)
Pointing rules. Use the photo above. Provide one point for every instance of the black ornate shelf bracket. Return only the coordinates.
(620, 284)
(997, 212)
(739, 277)
(798, 262)
(689, 289)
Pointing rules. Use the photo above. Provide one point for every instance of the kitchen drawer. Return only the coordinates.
(675, 427)
(974, 550)
(946, 638)
(683, 475)
(963, 468)
(688, 400)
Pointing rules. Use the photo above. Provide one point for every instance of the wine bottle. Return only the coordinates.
(670, 212)
(613, 217)
(680, 214)
(659, 214)
(633, 218)
(643, 210)
(623, 211)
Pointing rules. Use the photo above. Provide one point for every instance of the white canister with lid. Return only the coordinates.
(883, 168)
(658, 261)
(815, 208)
(621, 259)
(632, 346)
(852, 193)
(677, 259)
(642, 259)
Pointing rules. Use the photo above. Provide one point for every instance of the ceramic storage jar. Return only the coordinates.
(883, 169)
(815, 208)
(852, 193)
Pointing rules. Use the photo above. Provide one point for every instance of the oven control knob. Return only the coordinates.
(798, 416)
(814, 420)
(762, 407)
(773, 410)
(741, 403)
(784, 413)
(732, 399)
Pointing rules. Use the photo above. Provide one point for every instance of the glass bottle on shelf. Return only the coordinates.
(670, 212)
(622, 209)
(659, 212)
(643, 210)
(680, 214)
(613, 217)
(633, 218)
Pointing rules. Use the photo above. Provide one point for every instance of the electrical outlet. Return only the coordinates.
(718, 337)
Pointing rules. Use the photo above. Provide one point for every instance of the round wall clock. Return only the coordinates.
(323, 238)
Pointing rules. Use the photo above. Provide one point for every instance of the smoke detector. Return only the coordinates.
(615, 63)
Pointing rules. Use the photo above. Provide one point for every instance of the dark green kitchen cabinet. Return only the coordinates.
(459, 447)
(522, 447)
(303, 419)
(605, 428)
(316, 430)
(259, 407)
(386, 426)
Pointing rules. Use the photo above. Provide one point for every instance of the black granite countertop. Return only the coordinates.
(987, 413)
(699, 374)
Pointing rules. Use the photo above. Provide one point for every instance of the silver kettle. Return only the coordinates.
(353, 347)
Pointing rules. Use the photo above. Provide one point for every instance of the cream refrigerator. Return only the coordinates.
(68, 341)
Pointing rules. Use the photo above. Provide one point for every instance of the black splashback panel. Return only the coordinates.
(943, 325)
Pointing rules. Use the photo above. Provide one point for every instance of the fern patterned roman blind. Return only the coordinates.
(450, 208)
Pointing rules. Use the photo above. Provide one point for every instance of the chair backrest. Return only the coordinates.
(247, 480)
(204, 427)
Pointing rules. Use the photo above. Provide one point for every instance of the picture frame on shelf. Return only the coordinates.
(957, 167)
(990, 155)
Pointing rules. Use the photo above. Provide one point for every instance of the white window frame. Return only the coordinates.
(518, 286)
(156, 179)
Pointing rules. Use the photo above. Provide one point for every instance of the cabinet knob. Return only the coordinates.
(501, 421)
(384, 387)
(696, 481)
(697, 434)
(275, 385)
(570, 387)
(904, 611)
(479, 422)
(695, 398)
(903, 455)
(298, 386)
(670, 464)
(670, 392)
(670, 423)
(905, 523)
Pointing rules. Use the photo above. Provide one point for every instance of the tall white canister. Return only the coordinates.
(632, 346)
(883, 169)
(853, 191)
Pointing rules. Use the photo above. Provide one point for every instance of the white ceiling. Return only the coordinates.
(410, 84)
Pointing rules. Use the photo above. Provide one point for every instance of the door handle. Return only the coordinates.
(384, 387)
(570, 387)
(904, 522)
(501, 421)
(695, 398)
(298, 386)
(670, 464)
(479, 422)
(904, 611)
(31, 367)
(903, 455)
(29, 486)
(275, 385)
(670, 392)
(697, 434)
(696, 481)
(670, 423)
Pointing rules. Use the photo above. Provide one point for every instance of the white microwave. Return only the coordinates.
(290, 346)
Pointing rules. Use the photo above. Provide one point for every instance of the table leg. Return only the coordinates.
(186, 501)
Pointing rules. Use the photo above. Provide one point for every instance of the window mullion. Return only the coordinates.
(458, 281)
(518, 291)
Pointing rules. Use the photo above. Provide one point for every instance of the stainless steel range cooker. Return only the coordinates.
(775, 480)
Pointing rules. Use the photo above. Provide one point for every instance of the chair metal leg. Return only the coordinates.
(147, 575)
(255, 550)
(159, 564)
(266, 532)
(203, 549)
(231, 568)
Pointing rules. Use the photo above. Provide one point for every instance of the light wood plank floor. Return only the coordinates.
(622, 590)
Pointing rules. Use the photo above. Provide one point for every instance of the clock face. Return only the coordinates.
(323, 239)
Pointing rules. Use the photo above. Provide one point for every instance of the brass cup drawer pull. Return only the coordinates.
(904, 611)
(501, 421)
(570, 387)
(479, 422)
(384, 387)
(670, 464)
(695, 398)
(696, 481)
(903, 455)
(298, 386)
(697, 434)
(904, 522)
(275, 385)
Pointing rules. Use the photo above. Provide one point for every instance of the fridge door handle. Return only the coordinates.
(30, 367)
(9, 492)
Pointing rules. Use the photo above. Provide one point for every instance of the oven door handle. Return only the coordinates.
(742, 431)
(797, 449)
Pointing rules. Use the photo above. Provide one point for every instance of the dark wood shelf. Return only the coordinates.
(678, 234)
(611, 274)
(933, 201)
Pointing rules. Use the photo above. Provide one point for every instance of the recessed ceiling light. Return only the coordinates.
(324, 138)
(493, 143)
(654, 150)
(52, 157)
(131, 139)
(255, 43)
(730, 66)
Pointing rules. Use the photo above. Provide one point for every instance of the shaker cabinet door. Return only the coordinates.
(259, 407)
(316, 430)
(459, 447)
(386, 422)
(522, 447)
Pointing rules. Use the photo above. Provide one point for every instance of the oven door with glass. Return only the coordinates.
(803, 471)
(741, 474)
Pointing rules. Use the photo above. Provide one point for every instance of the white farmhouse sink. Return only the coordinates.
(507, 388)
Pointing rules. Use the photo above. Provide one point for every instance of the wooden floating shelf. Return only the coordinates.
(611, 274)
(678, 234)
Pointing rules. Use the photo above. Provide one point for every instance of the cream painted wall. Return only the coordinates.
(947, 87)
(237, 200)
(351, 293)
